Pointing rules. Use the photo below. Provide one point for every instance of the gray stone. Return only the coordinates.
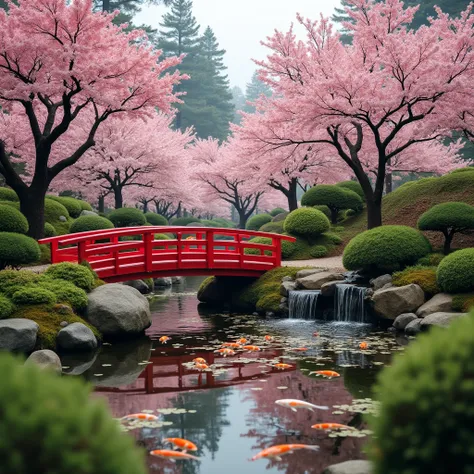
(76, 337)
(284, 308)
(76, 363)
(63, 324)
(177, 280)
(317, 280)
(63, 309)
(163, 281)
(387, 286)
(255, 314)
(269, 314)
(329, 288)
(117, 310)
(283, 300)
(392, 302)
(440, 319)
(369, 293)
(414, 327)
(379, 282)
(45, 359)
(442, 302)
(18, 334)
(286, 287)
(287, 278)
(401, 321)
(350, 467)
(139, 285)
(88, 213)
(309, 271)
(62, 219)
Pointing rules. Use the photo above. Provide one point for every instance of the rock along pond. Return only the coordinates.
(229, 412)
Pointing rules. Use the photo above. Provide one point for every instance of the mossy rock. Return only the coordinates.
(269, 303)
(424, 277)
(33, 295)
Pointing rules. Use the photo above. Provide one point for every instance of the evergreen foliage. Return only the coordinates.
(127, 217)
(155, 219)
(275, 227)
(257, 221)
(184, 221)
(352, 186)
(276, 211)
(49, 230)
(66, 430)
(259, 240)
(88, 223)
(318, 251)
(456, 272)
(17, 249)
(12, 220)
(33, 296)
(65, 292)
(73, 206)
(7, 194)
(255, 89)
(424, 277)
(6, 307)
(306, 222)
(79, 275)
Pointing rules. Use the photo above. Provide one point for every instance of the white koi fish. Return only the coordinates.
(295, 404)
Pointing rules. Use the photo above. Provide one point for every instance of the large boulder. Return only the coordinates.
(87, 213)
(392, 302)
(45, 359)
(178, 280)
(413, 327)
(317, 280)
(286, 287)
(163, 282)
(350, 467)
(440, 319)
(403, 320)
(76, 337)
(139, 285)
(18, 334)
(117, 310)
(442, 302)
(309, 271)
(379, 282)
(329, 288)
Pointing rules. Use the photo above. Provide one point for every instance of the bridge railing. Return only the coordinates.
(116, 253)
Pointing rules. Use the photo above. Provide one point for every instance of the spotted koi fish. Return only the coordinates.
(140, 416)
(172, 455)
(276, 452)
(180, 443)
(242, 341)
(225, 352)
(295, 404)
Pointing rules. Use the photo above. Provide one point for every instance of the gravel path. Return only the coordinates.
(331, 263)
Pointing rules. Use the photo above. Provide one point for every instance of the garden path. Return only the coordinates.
(331, 263)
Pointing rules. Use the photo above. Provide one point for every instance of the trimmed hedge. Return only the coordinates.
(73, 206)
(66, 431)
(306, 222)
(425, 277)
(184, 221)
(12, 220)
(463, 302)
(318, 251)
(155, 219)
(456, 272)
(431, 260)
(17, 249)
(353, 186)
(274, 227)
(259, 240)
(65, 292)
(85, 206)
(88, 223)
(49, 230)
(7, 194)
(53, 210)
(276, 211)
(79, 275)
(6, 307)
(127, 217)
(324, 209)
(387, 248)
(426, 418)
(448, 218)
(33, 296)
(280, 217)
(257, 221)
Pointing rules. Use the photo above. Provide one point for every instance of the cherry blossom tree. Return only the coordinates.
(60, 63)
(372, 101)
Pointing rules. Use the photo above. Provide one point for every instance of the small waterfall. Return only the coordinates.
(349, 304)
(302, 304)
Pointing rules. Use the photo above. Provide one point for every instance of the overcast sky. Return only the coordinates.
(240, 25)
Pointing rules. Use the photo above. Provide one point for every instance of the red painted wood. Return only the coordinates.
(117, 260)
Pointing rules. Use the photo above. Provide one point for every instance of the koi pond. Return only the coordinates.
(229, 410)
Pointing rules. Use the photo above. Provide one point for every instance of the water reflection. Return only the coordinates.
(230, 413)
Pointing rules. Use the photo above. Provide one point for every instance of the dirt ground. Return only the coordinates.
(331, 263)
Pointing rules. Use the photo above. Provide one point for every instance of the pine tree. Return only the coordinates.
(238, 98)
(341, 16)
(255, 88)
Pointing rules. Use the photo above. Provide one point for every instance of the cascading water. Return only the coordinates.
(302, 304)
(349, 304)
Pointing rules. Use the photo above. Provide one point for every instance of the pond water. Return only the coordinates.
(230, 411)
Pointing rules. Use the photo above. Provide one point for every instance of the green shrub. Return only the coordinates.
(224, 222)
(184, 221)
(17, 249)
(456, 272)
(448, 218)
(73, 206)
(325, 210)
(45, 254)
(13, 280)
(53, 210)
(259, 240)
(6, 307)
(336, 198)
(70, 430)
(426, 417)
(65, 292)
(468, 169)
(269, 303)
(88, 223)
(276, 211)
(49, 230)
(318, 251)
(288, 249)
(155, 219)
(79, 275)
(463, 302)
(274, 227)
(7, 194)
(306, 222)
(280, 217)
(425, 277)
(353, 186)
(333, 238)
(85, 206)
(12, 220)
(431, 260)
(13, 204)
(387, 248)
(257, 221)
(33, 295)
(127, 217)
(162, 237)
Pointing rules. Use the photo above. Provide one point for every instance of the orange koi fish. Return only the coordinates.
(268, 338)
(283, 366)
(300, 349)
(225, 352)
(232, 345)
(140, 416)
(172, 455)
(199, 360)
(164, 339)
(242, 341)
(275, 452)
(294, 404)
(326, 373)
(180, 443)
(251, 348)
(202, 366)
(331, 426)
(363, 345)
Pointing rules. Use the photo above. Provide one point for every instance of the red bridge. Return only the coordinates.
(133, 253)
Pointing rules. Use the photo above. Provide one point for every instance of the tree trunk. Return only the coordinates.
(374, 212)
(32, 207)
(292, 195)
(105, 5)
(118, 198)
(448, 239)
(101, 204)
(388, 183)
(334, 214)
(178, 211)
(242, 219)
(145, 207)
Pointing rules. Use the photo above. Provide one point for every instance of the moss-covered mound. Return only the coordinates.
(127, 217)
(306, 222)
(73, 206)
(79, 275)
(12, 220)
(88, 223)
(57, 215)
(17, 249)
(456, 272)
(257, 221)
(7, 194)
(155, 219)
(425, 277)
